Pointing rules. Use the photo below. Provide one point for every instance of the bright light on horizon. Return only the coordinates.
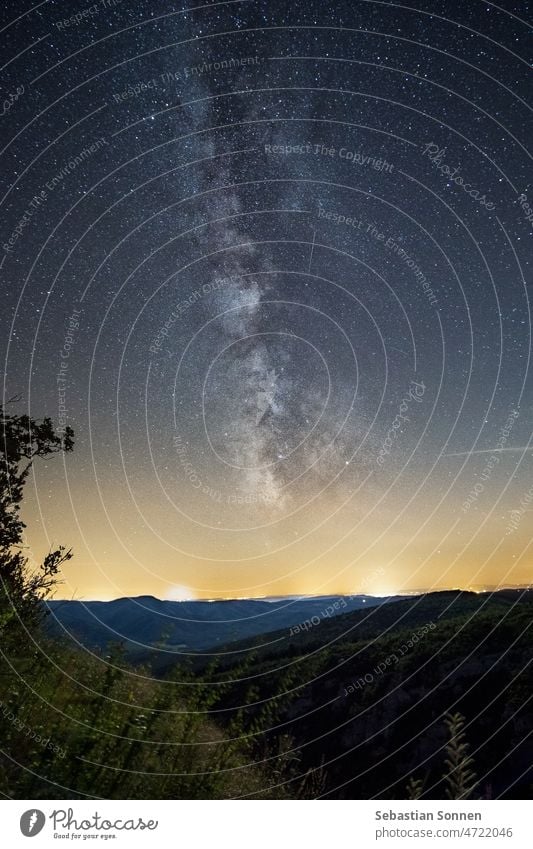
(178, 592)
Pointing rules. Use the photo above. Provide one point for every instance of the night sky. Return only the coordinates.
(272, 262)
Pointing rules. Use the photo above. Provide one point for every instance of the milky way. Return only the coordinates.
(270, 223)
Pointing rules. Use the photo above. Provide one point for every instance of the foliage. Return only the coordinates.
(373, 723)
(415, 788)
(461, 779)
(76, 726)
(23, 588)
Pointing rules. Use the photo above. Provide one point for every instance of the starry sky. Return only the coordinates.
(272, 262)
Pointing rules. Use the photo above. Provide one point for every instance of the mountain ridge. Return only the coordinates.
(145, 622)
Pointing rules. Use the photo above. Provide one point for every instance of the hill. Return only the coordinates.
(145, 622)
(364, 697)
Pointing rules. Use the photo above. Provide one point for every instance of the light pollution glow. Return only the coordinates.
(116, 554)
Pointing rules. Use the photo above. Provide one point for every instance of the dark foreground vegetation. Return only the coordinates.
(429, 697)
(372, 700)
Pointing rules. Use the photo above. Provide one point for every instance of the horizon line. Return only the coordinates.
(475, 588)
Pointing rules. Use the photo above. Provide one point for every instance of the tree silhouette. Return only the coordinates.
(22, 588)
